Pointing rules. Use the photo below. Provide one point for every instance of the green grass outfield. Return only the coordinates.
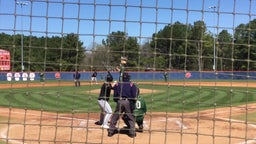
(160, 99)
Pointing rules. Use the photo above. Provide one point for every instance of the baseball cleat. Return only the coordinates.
(132, 135)
(98, 123)
(105, 126)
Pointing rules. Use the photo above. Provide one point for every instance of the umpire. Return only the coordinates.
(125, 98)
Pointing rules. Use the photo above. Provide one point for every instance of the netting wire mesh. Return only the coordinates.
(193, 61)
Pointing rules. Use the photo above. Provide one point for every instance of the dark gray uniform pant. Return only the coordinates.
(122, 106)
(77, 82)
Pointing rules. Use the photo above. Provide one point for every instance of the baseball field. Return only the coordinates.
(178, 112)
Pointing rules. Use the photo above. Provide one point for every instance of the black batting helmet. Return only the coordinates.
(109, 77)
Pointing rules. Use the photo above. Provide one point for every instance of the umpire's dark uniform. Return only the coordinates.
(124, 96)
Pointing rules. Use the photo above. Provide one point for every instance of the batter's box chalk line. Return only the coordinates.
(4, 132)
(252, 141)
(83, 123)
(177, 122)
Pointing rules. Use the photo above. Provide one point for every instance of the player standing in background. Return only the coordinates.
(76, 77)
(125, 96)
(42, 78)
(94, 77)
(165, 76)
(103, 99)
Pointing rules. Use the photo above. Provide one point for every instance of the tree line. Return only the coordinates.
(177, 46)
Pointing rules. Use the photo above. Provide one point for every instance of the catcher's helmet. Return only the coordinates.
(126, 76)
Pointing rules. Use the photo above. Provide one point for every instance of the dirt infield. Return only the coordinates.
(205, 127)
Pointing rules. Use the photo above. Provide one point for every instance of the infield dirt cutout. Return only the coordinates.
(142, 91)
(212, 126)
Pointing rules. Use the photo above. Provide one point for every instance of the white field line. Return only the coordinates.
(177, 122)
(3, 133)
(252, 125)
(181, 125)
(253, 141)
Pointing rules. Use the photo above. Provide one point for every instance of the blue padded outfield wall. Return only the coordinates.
(239, 75)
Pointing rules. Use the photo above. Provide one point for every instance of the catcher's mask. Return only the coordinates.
(126, 77)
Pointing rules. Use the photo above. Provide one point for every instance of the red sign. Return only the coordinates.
(188, 75)
(57, 75)
(5, 60)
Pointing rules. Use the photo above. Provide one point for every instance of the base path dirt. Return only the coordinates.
(212, 126)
